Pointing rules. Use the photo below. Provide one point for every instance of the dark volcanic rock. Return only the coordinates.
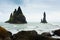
(10, 34)
(40, 37)
(17, 17)
(56, 32)
(47, 34)
(30, 35)
(22, 35)
(44, 18)
(25, 35)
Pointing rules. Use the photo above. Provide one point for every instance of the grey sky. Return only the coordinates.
(32, 9)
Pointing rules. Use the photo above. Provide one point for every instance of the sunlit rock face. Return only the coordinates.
(44, 18)
(17, 17)
(4, 34)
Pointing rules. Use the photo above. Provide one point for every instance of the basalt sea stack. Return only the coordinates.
(17, 17)
(44, 18)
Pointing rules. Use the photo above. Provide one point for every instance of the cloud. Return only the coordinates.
(17, 2)
(6, 8)
(32, 9)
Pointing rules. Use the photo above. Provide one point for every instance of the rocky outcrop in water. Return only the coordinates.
(44, 18)
(17, 17)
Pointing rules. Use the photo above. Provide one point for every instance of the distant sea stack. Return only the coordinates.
(17, 17)
(44, 18)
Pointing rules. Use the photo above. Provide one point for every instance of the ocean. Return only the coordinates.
(39, 27)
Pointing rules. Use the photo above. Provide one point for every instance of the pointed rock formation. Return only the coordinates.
(17, 17)
(44, 18)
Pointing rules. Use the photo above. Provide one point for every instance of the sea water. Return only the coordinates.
(39, 27)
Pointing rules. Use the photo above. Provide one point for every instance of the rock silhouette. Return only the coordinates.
(17, 17)
(44, 18)
(56, 32)
(30, 35)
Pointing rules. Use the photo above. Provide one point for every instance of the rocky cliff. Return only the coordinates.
(17, 17)
(44, 18)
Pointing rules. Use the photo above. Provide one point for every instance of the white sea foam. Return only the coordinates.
(39, 27)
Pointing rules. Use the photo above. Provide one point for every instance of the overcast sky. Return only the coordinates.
(32, 9)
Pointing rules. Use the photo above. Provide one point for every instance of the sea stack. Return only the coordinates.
(44, 18)
(17, 17)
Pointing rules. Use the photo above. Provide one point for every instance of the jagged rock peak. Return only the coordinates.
(19, 8)
(44, 18)
(17, 17)
(44, 14)
(15, 11)
(19, 11)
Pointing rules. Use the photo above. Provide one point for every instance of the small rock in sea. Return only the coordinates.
(44, 18)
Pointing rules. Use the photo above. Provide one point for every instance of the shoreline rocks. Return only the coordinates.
(30, 35)
(47, 34)
(4, 34)
(24, 35)
(56, 32)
